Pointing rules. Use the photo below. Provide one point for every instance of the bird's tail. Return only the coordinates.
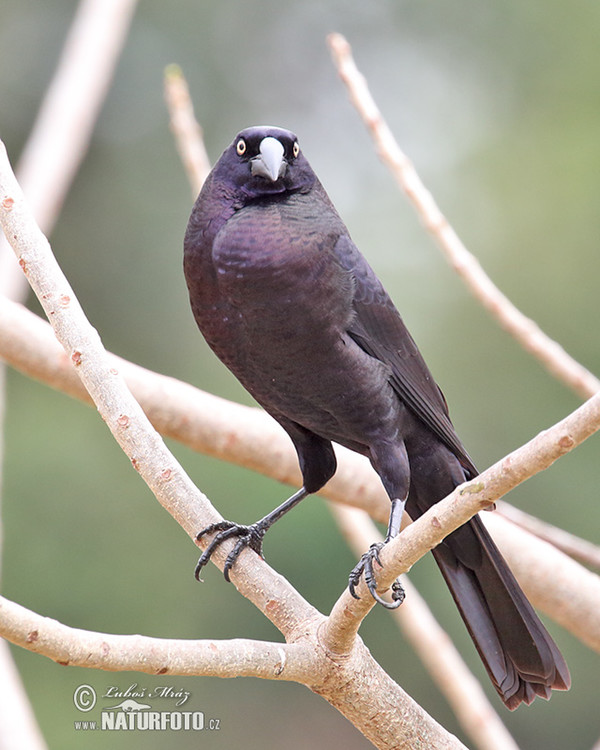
(521, 658)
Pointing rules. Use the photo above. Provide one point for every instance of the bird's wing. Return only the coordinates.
(378, 329)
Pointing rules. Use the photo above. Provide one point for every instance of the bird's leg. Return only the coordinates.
(248, 536)
(372, 555)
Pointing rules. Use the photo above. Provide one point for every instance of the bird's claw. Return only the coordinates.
(248, 536)
(365, 564)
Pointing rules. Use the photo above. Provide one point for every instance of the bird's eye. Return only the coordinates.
(241, 147)
(295, 149)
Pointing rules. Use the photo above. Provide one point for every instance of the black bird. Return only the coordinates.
(285, 299)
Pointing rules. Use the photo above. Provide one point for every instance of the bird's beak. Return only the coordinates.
(270, 162)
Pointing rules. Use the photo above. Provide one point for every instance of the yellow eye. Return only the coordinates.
(295, 149)
(241, 147)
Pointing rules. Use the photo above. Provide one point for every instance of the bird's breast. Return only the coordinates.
(273, 264)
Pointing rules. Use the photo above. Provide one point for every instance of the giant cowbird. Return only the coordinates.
(285, 299)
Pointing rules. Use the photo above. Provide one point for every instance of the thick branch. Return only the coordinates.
(238, 657)
(525, 330)
(387, 715)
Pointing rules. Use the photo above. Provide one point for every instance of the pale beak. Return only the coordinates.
(270, 162)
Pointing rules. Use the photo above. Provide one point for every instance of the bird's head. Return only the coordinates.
(264, 161)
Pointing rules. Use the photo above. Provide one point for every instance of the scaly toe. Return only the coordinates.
(365, 565)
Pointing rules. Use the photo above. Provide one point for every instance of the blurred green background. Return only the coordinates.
(498, 104)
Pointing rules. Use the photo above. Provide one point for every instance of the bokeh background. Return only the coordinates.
(498, 104)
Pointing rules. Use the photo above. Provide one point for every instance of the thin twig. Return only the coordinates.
(572, 545)
(460, 688)
(185, 128)
(523, 329)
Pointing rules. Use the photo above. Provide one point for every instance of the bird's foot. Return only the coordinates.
(248, 536)
(365, 564)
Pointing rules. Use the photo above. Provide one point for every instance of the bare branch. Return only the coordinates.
(186, 129)
(392, 720)
(460, 688)
(526, 331)
(574, 546)
(115, 653)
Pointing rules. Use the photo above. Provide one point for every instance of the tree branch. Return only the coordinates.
(523, 329)
(574, 546)
(185, 128)
(239, 657)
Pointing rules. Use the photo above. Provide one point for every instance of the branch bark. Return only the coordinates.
(185, 128)
(239, 657)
